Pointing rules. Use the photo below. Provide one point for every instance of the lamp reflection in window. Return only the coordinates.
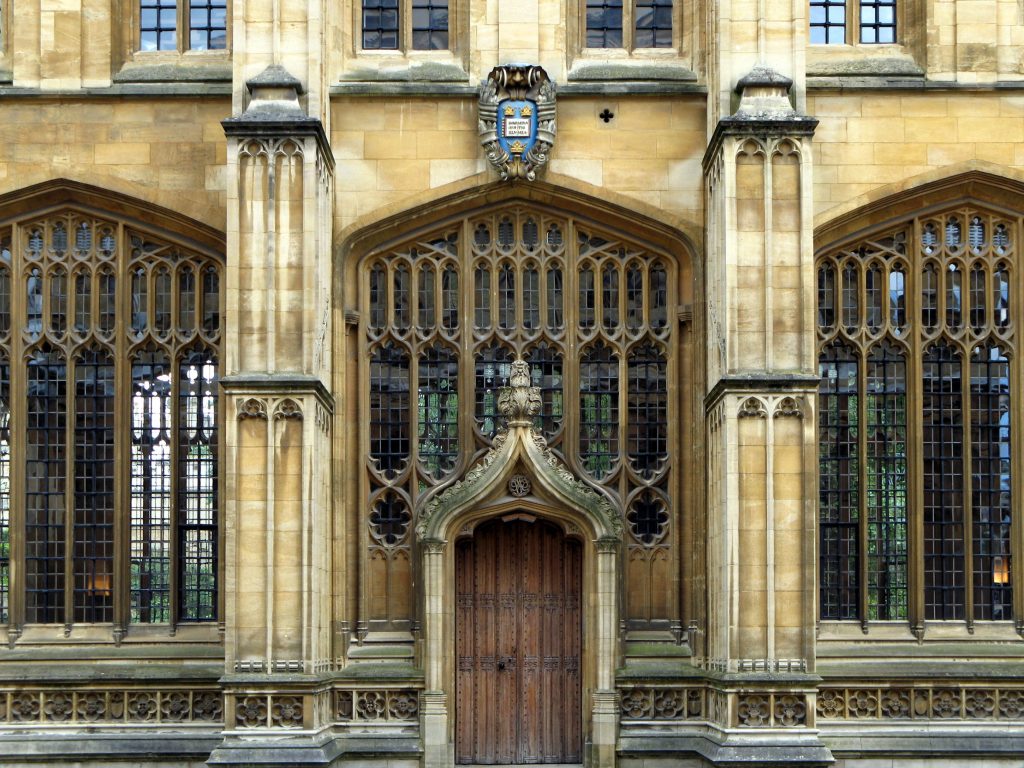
(1001, 570)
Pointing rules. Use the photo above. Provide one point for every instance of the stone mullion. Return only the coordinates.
(862, 353)
(17, 582)
(121, 576)
(915, 435)
(967, 422)
(1016, 298)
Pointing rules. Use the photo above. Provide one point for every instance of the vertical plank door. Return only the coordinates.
(518, 625)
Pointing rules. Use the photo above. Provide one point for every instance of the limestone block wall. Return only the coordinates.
(485, 33)
(871, 142)
(164, 150)
(399, 152)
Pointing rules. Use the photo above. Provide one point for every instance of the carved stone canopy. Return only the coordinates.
(519, 448)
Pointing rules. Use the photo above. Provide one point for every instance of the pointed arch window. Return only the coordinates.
(915, 445)
(109, 350)
(587, 308)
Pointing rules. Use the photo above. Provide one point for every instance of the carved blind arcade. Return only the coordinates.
(444, 315)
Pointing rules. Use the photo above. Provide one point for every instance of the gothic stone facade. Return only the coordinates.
(715, 450)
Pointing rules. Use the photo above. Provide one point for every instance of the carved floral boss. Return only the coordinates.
(517, 119)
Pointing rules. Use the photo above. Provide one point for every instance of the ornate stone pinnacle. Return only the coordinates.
(520, 402)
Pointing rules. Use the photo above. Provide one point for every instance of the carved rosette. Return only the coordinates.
(518, 83)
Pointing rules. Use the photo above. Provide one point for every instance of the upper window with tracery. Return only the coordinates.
(447, 313)
(918, 375)
(109, 341)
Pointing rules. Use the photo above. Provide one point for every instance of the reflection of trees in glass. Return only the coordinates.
(886, 491)
(955, 265)
(839, 492)
(438, 411)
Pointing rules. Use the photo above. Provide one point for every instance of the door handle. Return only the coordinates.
(501, 664)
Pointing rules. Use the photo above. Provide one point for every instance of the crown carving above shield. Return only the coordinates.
(517, 119)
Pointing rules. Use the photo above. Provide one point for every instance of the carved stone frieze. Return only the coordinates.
(376, 706)
(752, 408)
(288, 409)
(788, 406)
(251, 712)
(920, 703)
(644, 703)
(286, 711)
(71, 707)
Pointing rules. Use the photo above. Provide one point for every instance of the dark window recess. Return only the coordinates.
(430, 25)
(380, 24)
(653, 24)
(604, 23)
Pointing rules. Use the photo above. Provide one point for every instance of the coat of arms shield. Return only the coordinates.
(517, 119)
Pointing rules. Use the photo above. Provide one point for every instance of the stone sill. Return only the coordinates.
(100, 673)
(574, 88)
(633, 70)
(862, 83)
(374, 671)
(193, 90)
(164, 72)
(860, 738)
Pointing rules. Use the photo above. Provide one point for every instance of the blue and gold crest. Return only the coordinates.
(517, 126)
(517, 120)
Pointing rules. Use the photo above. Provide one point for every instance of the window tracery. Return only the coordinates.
(113, 440)
(916, 367)
(587, 310)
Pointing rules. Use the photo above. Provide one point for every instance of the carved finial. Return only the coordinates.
(520, 402)
(519, 376)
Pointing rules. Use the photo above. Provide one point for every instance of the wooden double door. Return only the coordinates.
(518, 628)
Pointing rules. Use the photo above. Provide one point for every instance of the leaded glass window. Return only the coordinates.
(114, 438)
(446, 313)
(418, 25)
(951, 357)
(204, 24)
(838, 22)
(629, 24)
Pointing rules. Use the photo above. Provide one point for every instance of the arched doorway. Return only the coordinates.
(517, 633)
